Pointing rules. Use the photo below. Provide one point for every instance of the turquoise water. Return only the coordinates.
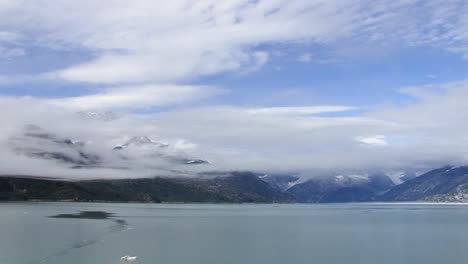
(235, 234)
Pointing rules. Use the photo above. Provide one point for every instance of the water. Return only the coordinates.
(234, 234)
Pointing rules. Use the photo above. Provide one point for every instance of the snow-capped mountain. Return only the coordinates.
(141, 141)
(280, 181)
(446, 184)
(101, 116)
(39, 143)
(341, 188)
(399, 177)
(142, 147)
(138, 152)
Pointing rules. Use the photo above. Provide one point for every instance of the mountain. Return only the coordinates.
(142, 147)
(140, 141)
(99, 116)
(399, 177)
(38, 143)
(380, 183)
(236, 187)
(280, 182)
(341, 188)
(407, 176)
(447, 184)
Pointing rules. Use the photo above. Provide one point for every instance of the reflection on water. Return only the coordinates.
(119, 226)
(95, 215)
(86, 215)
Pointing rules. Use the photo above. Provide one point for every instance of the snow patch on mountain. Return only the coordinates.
(452, 168)
(399, 177)
(39, 143)
(141, 141)
(101, 116)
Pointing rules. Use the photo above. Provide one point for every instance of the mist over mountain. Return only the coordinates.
(325, 101)
(138, 155)
(67, 162)
(447, 184)
(123, 144)
(189, 178)
(102, 116)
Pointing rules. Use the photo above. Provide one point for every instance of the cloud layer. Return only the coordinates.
(138, 97)
(145, 60)
(265, 139)
(148, 41)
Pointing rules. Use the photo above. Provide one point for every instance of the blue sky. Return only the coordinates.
(372, 76)
(353, 80)
(333, 52)
(284, 80)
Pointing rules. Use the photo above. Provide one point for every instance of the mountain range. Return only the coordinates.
(36, 142)
(237, 187)
(447, 184)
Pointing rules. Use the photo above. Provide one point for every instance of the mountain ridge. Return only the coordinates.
(440, 185)
(238, 187)
(444, 184)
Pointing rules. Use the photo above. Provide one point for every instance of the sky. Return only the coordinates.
(301, 86)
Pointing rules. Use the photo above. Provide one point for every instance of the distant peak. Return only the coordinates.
(141, 141)
(102, 116)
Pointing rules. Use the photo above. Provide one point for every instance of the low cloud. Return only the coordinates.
(376, 140)
(146, 54)
(300, 110)
(427, 133)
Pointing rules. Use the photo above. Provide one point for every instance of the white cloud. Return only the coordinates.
(6, 36)
(306, 57)
(300, 110)
(375, 140)
(425, 134)
(8, 48)
(183, 144)
(145, 47)
(101, 137)
(138, 97)
(148, 41)
(420, 136)
(10, 53)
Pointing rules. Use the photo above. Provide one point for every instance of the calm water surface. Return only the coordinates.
(234, 234)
